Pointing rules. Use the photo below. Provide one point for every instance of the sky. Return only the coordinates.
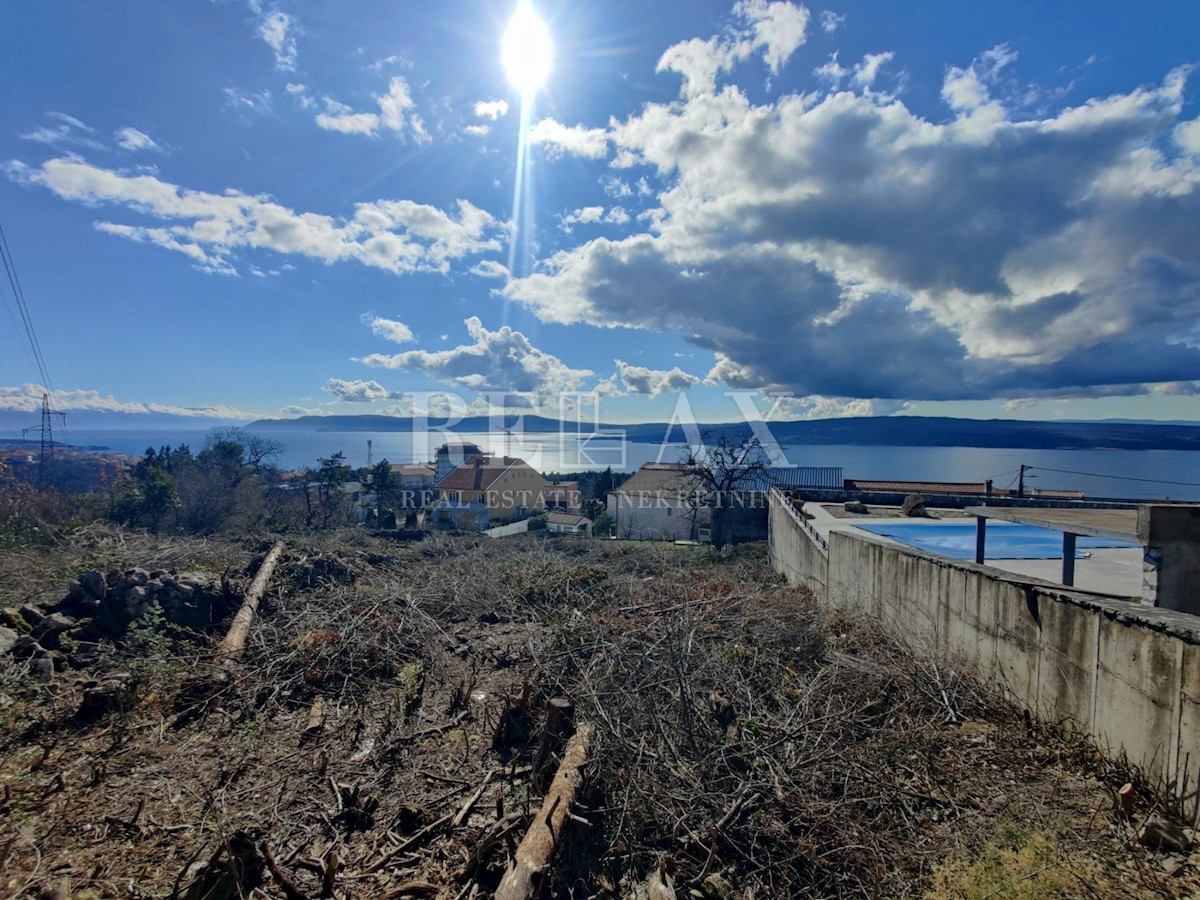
(244, 208)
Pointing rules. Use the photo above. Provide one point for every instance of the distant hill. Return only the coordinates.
(103, 420)
(888, 431)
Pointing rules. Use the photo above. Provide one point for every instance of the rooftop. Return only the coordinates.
(478, 473)
(654, 477)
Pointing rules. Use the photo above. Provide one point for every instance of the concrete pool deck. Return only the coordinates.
(1113, 571)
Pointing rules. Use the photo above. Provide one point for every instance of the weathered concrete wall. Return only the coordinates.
(1127, 676)
(1171, 536)
(793, 551)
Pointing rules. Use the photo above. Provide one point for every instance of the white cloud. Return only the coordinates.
(831, 70)
(590, 215)
(491, 109)
(831, 21)
(349, 123)
(240, 101)
(395, 104)
(28, 399)
(478, 130)
(1187, 136)
(395, 235)
(867, 70)
(503, 360)
(817, 407)
(489, 268)
(840, 245)
(779, 29)
(394, 114)
(640, 380)
(67, 130)
(585, 215)
(389, 329)
(394, 60)
(775, 29)
(279, 29)
(133, 139)
(559, 140)
(356, 391)
(862, 74)
(300, 92)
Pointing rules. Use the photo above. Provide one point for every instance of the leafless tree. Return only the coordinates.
(734, 461)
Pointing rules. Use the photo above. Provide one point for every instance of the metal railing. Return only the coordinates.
(811, 531)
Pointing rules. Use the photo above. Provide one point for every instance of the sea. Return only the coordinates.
(1137, 474)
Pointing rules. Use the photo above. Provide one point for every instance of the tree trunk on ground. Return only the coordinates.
(235, 638)
(534, 853)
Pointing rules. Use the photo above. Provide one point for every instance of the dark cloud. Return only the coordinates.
(842, 245)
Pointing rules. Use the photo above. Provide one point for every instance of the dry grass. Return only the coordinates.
(748, 742)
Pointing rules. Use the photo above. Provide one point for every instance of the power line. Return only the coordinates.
(1117, 477)
(14, 281)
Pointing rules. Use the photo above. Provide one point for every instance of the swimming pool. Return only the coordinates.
(1005, 540)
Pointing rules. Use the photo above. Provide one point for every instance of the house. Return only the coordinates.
(419, 475)
(564, 496)
(485, 488)
(451, 455)
(568, 523)
(661, 502)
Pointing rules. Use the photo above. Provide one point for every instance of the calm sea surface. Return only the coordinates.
(1104, 473)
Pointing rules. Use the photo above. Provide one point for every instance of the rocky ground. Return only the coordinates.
(400, 709)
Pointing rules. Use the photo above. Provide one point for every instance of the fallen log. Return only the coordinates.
(535, 851)
(235, 638)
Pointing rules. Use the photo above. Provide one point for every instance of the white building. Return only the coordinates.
(568, 523)
(660, 502)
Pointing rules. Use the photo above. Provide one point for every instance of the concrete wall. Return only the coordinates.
(793, 550)
(1128, 676)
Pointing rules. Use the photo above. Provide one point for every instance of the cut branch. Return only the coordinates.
(533, 855)
(235, 638)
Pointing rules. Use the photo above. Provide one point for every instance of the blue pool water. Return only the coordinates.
(1005, 540)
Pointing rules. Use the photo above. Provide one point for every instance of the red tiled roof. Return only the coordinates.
(478, 473)
(656, 477)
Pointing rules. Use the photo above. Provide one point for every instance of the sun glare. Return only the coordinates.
(527, 50)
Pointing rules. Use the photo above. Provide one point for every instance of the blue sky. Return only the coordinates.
(245, 208)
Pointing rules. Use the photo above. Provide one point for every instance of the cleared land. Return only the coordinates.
(383, 734)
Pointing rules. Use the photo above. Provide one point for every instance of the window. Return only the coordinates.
(668, 512)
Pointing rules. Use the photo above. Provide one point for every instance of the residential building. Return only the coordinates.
(564, 496)
(451, 455)
(568, 523)
(660, 502)
(485, 488)
(419, 475)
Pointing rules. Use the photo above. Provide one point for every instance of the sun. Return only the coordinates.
(527, 50)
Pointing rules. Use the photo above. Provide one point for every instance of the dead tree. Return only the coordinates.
(235, 638)
(533, 855)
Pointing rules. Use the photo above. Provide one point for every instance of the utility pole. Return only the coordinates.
(47, 430)
(1021, 481)
(368, 453)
